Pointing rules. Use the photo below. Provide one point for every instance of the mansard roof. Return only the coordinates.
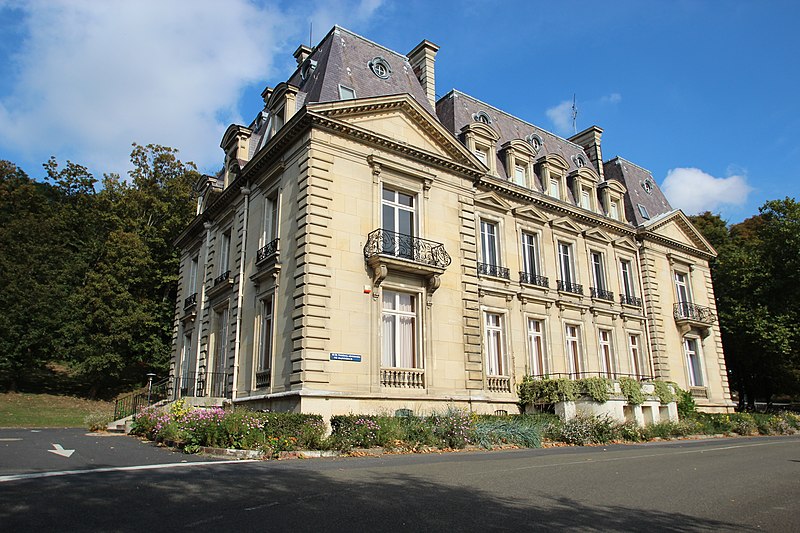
(457, 109)
(638, 181)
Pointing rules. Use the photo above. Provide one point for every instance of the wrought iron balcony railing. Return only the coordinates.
(485, 269)
(267, 251)
(630, 300)
(389, 243)
(225, 276)
(581, 375)
(533, 279)
(190, 301)
(602, 294)
(693, 312)
(566, 286)
(214, 384)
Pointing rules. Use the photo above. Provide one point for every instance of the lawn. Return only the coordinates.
(48, 410)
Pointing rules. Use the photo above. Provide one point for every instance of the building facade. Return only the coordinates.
(368, 248)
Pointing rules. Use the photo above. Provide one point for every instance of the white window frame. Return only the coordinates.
(397, 207)
(185, 356)
(537, 347)
(640, 366)
(395, 317)
(685, 295)
(613, 209)
(269, 222)
(627, 281)
(554, 189)
(224, 251)
(194, 264)
(530, 252)
(220, 353)
(573, 349)
(520, 174)
(342, 93)
(694, 361)
(490, 248)
(565, 252)
(495, 344)
(597, 260)
(605, 340)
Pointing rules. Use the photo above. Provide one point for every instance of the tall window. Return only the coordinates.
(681, 287)
(398, 219)
(639, 366)
(192, 281)
(585, 201)
(536, 346)
(555, 188)
(565, 263)
(573, 346)
(224, 252)
(482, 155)
(627, 278)
(186, 355)
(613, 210)
(606, 353)
(495, 345)
(400, 330)
(598, 271)
(519, 175)
(489, 243)
(692, 350)
(265, 338)
(530, 254)
(221, 341)
(269, 231)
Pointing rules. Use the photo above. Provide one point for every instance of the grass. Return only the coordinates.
(48, 410)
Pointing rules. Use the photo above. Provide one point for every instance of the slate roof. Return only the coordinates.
(456, 110)
(634, 177)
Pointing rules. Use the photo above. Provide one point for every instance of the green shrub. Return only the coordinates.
(663, 391)
(597, 388)
(454, 428)
(354, 431)
(686, 405)
(97, 421)
(743, 424)
(523, 430)
(632, 390)
(547, 391)
(630, 431)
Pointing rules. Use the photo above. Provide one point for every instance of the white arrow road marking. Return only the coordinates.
(59, 450)
(9, 440)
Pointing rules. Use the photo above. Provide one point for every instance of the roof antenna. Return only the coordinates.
(574, 115)
(310, 33)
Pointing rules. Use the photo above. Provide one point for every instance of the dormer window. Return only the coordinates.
(535, 140)
(519, 175)
(307, 69)
(380, 67)
(482, 117)
(643, 211)
(647, 185)
(613, 210)
(579, 161)
(482, 155)
(346, 93)
(555, 188)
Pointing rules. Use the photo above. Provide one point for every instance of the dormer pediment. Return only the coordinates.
(613, 185)
(597, 234)
(586, 174)
(280, 91)
(493, 201)
(567, 225)
(555, 161)
(233, 134)
(528, 212)
(519, 147)
(481, 130)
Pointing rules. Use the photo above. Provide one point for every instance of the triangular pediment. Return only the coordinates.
(566, 224)
(529, 212)
(597, 234)
(399, 118)
(677, 227)
(493, 201)
(626, 243)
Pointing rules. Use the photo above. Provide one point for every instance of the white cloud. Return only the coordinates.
(92, 76)
(695, 191)
(561, 117)
(613, 98)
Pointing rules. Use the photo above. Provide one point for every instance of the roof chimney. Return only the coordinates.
(589, 139)
(422, 59)
(301, 54)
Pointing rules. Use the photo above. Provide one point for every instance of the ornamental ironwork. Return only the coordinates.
(630, 300)
(693, 312)
(485, 269)
(190, 301)
(267, 251)
(602, 294)
(534, 279)
(401, 246)
(566, 286)
(225, 276)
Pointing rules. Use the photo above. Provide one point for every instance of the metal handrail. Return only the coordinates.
(485, 269)
(602, 294)
(133, 402)
(393, 244)
(266, 251)
(534, 279)
(190, 301)
(580, 375)
(222, 277)
(691, 311)
(630, 300)
(566, 286)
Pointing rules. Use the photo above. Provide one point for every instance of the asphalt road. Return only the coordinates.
(712, 485)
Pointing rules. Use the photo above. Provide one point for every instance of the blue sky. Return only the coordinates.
(703, 94)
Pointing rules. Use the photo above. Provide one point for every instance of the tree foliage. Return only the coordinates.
(757, 283)
(92, 274)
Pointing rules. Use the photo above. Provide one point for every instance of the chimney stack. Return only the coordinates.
(589, 139)
(422, 59)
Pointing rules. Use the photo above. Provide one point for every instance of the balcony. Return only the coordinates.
(222, 278)
(566, 286)
(389, 251)
(534, 279)
(403, 378)
(601, 294)
(485, 269)
(624, 299)
(222, 284)
(690, 316)
(498, 383)
(262, 379)
(269, 251)
(190, 301)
